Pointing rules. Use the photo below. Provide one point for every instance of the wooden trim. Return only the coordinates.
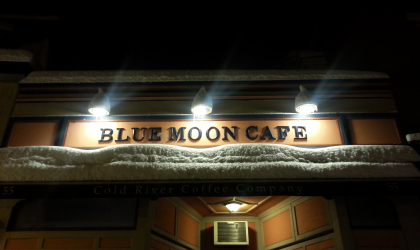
(273, 210)
(337, 227)
(188, 98)
(187, 207)
(343, 124)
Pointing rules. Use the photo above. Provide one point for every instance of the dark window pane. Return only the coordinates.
(74, 214)
(371, 212)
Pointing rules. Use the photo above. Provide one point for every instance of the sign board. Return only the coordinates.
(208, 133)
(210, 188)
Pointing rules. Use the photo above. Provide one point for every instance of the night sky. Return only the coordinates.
(217, 37)
(226, 40)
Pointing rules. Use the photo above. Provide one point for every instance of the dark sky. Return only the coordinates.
(193, 41)
(196, 41)
(217, 37)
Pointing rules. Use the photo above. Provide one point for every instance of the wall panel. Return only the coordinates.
(374, 131)
(328, 244)
(159, 246)
(21, 244)
(311, 214)
(68, 243)
(278, 228)
(33, 134)
(115, 243)
(165, 216)
(188, 229)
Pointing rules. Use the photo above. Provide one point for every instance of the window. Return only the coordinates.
(372, 212)
(74, 214)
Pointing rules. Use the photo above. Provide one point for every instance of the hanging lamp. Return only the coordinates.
(100, 106)
(304, 103)
(202, 104)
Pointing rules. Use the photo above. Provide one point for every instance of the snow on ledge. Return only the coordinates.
(230, 162)
(413, 137)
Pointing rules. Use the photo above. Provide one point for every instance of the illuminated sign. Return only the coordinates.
(209, 133)
(195, 133)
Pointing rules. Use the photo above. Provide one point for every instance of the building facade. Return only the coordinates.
(152, 176)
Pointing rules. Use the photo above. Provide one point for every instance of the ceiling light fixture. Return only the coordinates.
(233, 206)
(100, 106)
(304, 103)
(202, 104)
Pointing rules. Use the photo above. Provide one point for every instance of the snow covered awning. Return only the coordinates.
(230, 162)
(233, 170)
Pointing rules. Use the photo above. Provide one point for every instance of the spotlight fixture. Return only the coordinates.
(100, 106)
(304, 103)
(202, 104)
(233, 206)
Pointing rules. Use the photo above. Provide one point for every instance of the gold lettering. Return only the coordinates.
(183, 190)
(272, 189)
(138, 189)
(300, 188)
(96, 191)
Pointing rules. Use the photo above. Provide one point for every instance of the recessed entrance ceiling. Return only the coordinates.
(215, 206)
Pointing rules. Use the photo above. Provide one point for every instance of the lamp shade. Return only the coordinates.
(202, 104)
(233, 207)
(304, 103)
(100, 106)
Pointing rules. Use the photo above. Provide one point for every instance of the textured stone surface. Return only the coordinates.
(16, 55)
(234, 162)
(413, 137)
(194, 75)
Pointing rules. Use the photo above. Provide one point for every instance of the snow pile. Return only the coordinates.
(239, 161)
(413, 137)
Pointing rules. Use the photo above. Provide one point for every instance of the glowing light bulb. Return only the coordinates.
(233, 207)
(201, 110)
(307, 109)
(304, 103)
(98, 112)
(100, 105)
(202, 104)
